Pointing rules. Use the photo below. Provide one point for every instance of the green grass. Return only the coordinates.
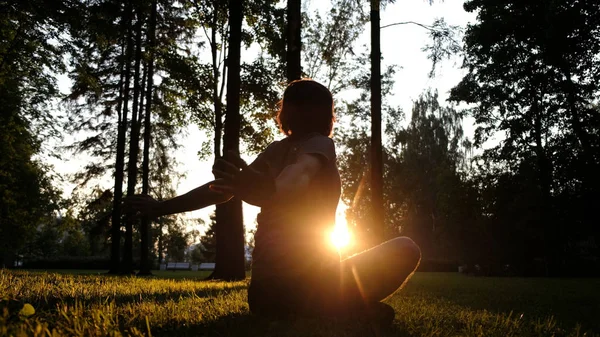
(179, 304)
(176, 275)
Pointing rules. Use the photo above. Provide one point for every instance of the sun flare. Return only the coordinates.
(340, 236)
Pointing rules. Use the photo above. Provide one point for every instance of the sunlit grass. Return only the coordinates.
(432, 304)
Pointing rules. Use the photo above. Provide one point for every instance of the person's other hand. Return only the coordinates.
(228, 168)
(235, 177)
(142, 204)
(223, 186)
(227, 173)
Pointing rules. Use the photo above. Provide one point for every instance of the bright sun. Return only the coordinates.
(340, 236)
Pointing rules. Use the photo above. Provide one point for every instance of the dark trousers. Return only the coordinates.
(339, 288)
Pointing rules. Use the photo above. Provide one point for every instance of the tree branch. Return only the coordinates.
(406, 23)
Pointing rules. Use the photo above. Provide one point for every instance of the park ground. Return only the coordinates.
(88, 303)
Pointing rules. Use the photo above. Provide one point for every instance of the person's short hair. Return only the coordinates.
(306, 107)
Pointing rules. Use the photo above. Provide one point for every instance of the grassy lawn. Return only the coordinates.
(180, 304)
(162, 274)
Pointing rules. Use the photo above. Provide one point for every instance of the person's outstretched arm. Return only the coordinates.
(257, 188)
(195, 199)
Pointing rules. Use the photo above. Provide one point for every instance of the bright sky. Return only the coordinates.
(401, 45)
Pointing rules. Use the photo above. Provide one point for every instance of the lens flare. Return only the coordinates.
(340, 236)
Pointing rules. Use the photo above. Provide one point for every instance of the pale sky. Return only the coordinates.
(401, 45)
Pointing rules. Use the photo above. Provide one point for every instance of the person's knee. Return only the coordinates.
(406, 251)
(401, 257)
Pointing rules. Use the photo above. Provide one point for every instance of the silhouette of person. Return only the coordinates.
(296, 183)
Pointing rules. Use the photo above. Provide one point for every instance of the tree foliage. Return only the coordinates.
(523, 193)
(531, 84)
(31, 44)
(427, 187)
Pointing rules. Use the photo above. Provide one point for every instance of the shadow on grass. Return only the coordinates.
(245, 325)
(121, 299)
(159, 298)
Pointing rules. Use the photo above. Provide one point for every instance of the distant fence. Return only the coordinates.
(186, 266)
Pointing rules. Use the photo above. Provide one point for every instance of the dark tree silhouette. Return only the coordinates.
(145, 225)
(229, 261)
(134, 142)
(27, 86)
(377, 214)
(529, 79)
(294, 43)
(426, 187)
(123, 110)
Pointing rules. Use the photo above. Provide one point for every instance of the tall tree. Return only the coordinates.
(216, 20)
(328, 48)
(230, 259)
(27, 88)
(426, 165)
(294, 44)
(134, 140)
(530, 81)
(123, 110)
(376, 145)
(97, 95)
(145, 225)
(442, 37)
(257, 93)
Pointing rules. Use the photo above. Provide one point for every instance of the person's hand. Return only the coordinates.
(226, 173)
(227, 169)
(143, 205)
(235, 177)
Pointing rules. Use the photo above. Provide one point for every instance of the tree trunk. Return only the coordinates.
(120, 159)
(376, 148)
(160, 246)
(134, 147)
(547, 224)
(145, 226)
(216, 96)
(294, 46)
(220, 210)
(115, 236)
(230, 259)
